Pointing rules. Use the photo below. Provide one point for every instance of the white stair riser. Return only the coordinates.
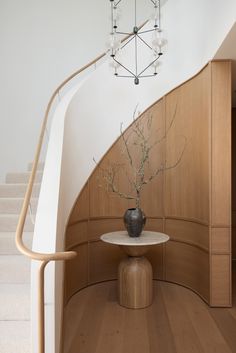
(15, 337)
(8, 223)
(17, 190)
(22, 178)
(8, 246)
(15, 302)
(39, 168)
(14, 205)
(14, 269)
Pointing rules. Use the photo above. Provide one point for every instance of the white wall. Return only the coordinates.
(49, 200)
(41, 43)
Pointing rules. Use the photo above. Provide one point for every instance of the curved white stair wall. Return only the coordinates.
(93, 115)
(46, 225)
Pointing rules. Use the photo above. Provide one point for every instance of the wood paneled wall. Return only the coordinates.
(191, 202)
(220, 193)
(234, 183)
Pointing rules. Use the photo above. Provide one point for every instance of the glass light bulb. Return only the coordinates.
(117, 13)
(114, 65)
(157, 40)
(114, 42)
(155, 14)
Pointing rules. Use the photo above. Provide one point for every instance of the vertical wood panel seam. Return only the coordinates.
(88, 229)
(164, 191)
(230, 299)
(210, 184)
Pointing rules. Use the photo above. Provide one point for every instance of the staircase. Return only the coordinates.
(14, 267)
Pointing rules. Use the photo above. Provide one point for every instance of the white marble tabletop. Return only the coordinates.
(146, 238)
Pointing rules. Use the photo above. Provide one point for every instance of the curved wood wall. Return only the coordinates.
(191, 202)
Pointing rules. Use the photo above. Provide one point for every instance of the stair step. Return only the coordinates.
(8, 223)
(14, 302)
(40, 166)
(17, 190)
(22, 178)
(7, 242)
(14, 269)
(15, 337)
(13, 205)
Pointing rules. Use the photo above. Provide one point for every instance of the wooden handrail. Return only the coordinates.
(20, 226)
(57, 256)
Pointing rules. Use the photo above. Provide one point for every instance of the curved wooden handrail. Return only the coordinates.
(45, 258)
(20, 226)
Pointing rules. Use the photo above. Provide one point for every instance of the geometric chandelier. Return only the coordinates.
(138, 41)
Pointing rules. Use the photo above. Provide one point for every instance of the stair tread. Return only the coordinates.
(14, 269)
(17, 198)
(8, 222)
(39, 167)
(18, 184)
(12, 234)
(38, 172)
(10, 215)
(14, 205)
(7, 242)
(17, 190)
(14, 301)
(15, 336)
(22, 178)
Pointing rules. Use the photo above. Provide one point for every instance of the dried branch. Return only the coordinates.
(125, 141)
(180, 156)
(164, 167)
(109, 175)
(142, 135)
(166, 131)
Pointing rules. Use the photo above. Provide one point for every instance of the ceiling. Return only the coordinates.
(227, 50)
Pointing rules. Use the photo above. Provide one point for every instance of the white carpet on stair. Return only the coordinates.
(22, 178)
(39, 167)
(14, 302)
(7, 242)
(8, 223)
(17, 190)
(10, 205)
(14, 269)
(15, 337)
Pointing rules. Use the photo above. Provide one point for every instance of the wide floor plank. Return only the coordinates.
(178, 321)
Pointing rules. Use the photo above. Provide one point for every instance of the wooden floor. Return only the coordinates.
(177, 322)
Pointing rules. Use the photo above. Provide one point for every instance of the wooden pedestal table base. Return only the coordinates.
(135, 272)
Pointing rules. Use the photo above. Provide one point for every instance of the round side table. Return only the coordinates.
(135, 271)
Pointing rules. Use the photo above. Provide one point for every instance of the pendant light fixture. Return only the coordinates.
(140, 38)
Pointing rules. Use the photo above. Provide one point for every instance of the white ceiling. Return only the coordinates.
(227, 50)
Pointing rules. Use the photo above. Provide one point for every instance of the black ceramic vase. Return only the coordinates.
(134, 220)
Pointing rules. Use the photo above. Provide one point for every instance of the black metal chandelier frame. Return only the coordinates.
(135, 35)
